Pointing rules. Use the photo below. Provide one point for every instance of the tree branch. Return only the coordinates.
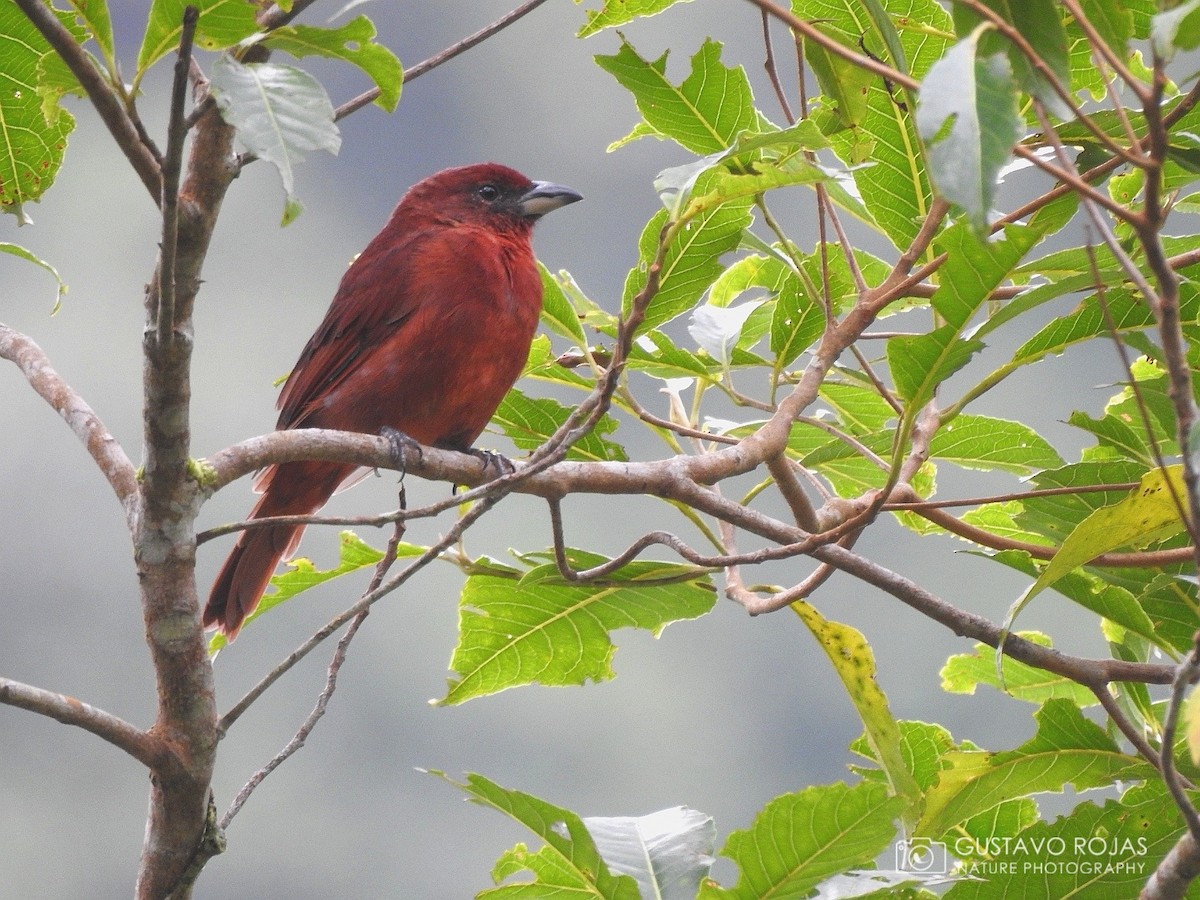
(141, 745)
(108, 455)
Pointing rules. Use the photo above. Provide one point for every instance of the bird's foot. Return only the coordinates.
(400, 442)
(490, 459)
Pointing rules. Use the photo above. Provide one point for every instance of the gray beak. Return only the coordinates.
(546, 197)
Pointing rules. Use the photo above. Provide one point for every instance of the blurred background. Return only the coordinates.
(720, 714)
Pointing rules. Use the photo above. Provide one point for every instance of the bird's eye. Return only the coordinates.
(488, 192)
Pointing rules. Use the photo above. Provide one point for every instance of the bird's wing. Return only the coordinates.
(373, 299)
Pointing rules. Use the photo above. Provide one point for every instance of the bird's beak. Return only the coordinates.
(545, 197)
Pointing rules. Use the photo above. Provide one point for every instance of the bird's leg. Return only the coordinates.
(400, 442)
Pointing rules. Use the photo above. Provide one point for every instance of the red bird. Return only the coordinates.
(430, 327)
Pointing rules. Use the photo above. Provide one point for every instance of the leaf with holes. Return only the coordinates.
(32, 139)
(353, 42)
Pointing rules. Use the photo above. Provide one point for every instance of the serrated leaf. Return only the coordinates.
(280, 114)
(1095, 851)
(530, 421)
(894, 188)
(799, 840)
(1113, 22)
(93, 15)
(704, 113)
(1040, 23)
(920, 363)
(967, 114)
(975, 267)
(22, 253)
(557, 311)
(222, 24)
(964, 672)
(353, 42)
(1068, 749)
(796, 323)
(984, 443)
(1087, 321)
(667, 853)
(517, 633)
(303, 575)
(854, 662)
(861, 410)
(32, 143)
(618, 12)
(842, 82)
(568, 862)
(692, 260)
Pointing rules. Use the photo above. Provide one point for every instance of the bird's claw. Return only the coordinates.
(399, 443)
(491, 459)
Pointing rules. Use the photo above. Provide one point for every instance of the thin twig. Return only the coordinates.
(1185, 676)
(437, 59)
(172, 162)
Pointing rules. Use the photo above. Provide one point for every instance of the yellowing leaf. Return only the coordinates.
(1191, 718)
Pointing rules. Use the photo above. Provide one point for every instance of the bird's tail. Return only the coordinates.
(291, 489)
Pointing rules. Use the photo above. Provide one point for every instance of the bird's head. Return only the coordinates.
(487, 194)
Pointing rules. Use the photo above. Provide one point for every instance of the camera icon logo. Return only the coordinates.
(922, 856)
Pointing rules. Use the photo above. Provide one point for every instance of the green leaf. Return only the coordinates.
(557, 312)
(667, 852)
(222, 24)
(845, 85)
(32, 143)
(967, 114)
(854, 663)
(975, 267)
(1068, 749)
(1146, 515)
(894, 187)
(703, 114)
(920, 363)
(1095, 851)
(796, 324)
(569, 862)
(355, 555)
(554, 633)
(353, 42)
(981, 442)
(280, 114)
(93, 16)
(1113, 22)
(800, 839)
(1110, 601)
(861, 410)
(530, 421)
(618, 12)
(22, 253)
(692, 260)
(1040, 23)
(663, 359)
(964, 672)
